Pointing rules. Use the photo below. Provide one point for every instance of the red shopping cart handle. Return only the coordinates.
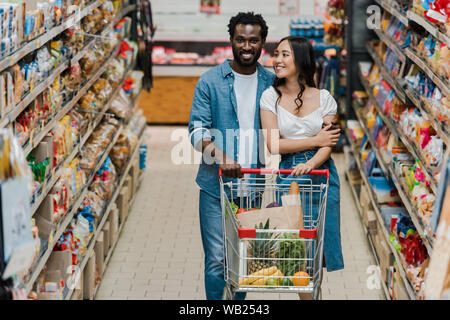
(251, 233)
(324, 172)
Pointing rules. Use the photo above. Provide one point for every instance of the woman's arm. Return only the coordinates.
(322, 155)
(276, 145)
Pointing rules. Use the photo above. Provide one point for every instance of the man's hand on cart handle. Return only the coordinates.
(231, 169)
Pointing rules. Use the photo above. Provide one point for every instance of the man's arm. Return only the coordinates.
(200, 123)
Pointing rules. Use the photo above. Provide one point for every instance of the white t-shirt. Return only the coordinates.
(292, 126)
(245, 89)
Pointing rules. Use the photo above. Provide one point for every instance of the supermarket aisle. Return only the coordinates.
(159, 254)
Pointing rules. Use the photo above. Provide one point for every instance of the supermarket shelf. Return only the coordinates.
(409, 288)
(60, 229)
(369, 238)
(106, 212)
(77, 148)
(113, 247)
(34, 44)
(391, 44)
(400, 136)
(92, 241)
(444, 86)
(389, 7)
(31, 96)
(431, 28)
(428, 115)
(393, 82)
(389, 172)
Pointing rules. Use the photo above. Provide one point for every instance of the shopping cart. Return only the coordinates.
(265, 259)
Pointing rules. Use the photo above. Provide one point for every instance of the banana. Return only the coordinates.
(258, 276)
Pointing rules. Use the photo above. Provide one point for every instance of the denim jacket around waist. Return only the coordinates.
(214, 116)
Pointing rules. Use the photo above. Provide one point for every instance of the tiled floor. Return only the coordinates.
(159, 254)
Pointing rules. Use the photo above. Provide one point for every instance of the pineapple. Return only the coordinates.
(264, 249)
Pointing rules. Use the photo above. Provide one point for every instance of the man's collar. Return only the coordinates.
(227, 71)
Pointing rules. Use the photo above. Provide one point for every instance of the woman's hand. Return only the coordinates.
(327, 137)
(302, 169)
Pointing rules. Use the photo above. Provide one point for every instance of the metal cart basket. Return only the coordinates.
(266, 259)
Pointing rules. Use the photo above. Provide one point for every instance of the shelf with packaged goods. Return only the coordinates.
(388, 41)
(106, 211)
(367, 233)
(412, 148)
(389, 7)
(38, 42)
(441, 130)
(384, 231)
(430, 27)
(393, 82)
(31, 96)
(389, 172)
(444, 86)
(62, 227)
(49, 182)
(111, 250)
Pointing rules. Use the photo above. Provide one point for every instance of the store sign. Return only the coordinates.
(320, 7)
(210, 6)
(16, 215)
(289, 7)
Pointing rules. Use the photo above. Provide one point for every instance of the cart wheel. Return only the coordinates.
(228, 293)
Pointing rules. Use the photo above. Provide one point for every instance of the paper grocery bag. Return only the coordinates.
(293, 203)
(286, 217)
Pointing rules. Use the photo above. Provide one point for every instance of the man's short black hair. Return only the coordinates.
(248, 18)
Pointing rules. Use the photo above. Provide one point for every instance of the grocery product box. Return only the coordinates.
(45, 210)
(390, 211)
(364, 199)
(385, 256)
(122, 204)
(99, 253)
(113, 224)
(46, 228)
(78, 291)
(89, 278)
(128, 183)
(62, 261)
(399, 289)
(370, 221)
(43, 151)
(51, 287)
(3, 97)
(106, 238)
(384, 189)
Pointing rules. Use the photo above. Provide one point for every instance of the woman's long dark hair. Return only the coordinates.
(305, 62)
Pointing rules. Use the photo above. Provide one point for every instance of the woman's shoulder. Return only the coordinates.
(270, 92)
(270, 95)
(269, 100)
(327, 102)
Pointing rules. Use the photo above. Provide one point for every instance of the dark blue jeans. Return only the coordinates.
(211, 226)
(332, 239)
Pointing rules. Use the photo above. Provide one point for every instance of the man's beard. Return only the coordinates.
(243, 63)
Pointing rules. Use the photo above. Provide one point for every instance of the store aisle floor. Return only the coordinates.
(159, 254)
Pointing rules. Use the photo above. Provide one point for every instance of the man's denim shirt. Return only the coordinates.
(214, 112)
